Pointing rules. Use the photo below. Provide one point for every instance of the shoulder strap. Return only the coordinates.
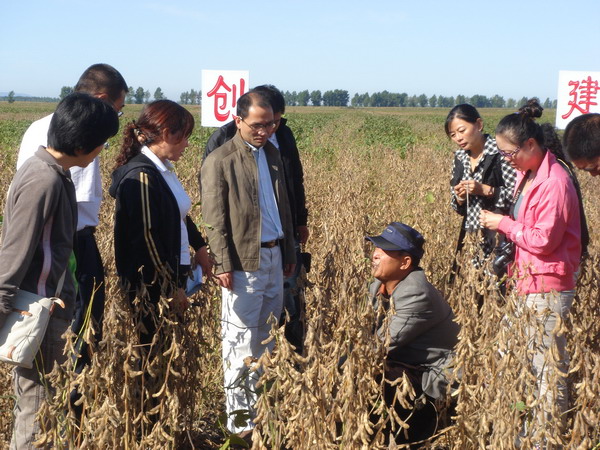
(489, 163)
(511, 211)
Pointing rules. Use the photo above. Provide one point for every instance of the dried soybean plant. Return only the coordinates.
(331, 396)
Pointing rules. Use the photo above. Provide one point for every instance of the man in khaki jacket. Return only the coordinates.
(250, 233)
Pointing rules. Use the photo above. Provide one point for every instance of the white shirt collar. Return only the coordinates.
(162, 167)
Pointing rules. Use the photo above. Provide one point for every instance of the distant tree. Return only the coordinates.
(480, 101)
(511, 103)
(184, 98)
(303, 98)
(403, 99)
(376, 99)
(554, 103)
(356, 100)
(11, 97)
(547, 103)
(192, 96)
(422, 100)
(365, 99)
(129, 98)
(198, 97)
(341, 97)
(315, 98)
(293, 98)
(460, 99)
(522, 102)
(412, 101)
(139, 95)
(433, 101)
(64, 91)
(158, 94)
(497, 101)
(146, 96)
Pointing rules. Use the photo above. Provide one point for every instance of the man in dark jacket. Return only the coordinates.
(283, 139)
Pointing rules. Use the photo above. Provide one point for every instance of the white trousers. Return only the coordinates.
(245, 311)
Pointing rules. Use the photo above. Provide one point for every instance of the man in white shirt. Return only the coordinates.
(106, 83)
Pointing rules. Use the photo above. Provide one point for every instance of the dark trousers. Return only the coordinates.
(89, 306)
(293, 303)
(91, 293)
(422, 417)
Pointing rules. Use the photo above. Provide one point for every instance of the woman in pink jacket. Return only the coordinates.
(545, 227)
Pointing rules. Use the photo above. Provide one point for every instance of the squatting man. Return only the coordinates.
(422, 331)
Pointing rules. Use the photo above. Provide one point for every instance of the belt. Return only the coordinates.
(269, 244)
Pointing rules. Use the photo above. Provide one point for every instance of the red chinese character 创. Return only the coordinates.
(582, 95)
(220, 102)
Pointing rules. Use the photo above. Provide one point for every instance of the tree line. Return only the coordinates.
(391, 99)
(336, 97)
(11, 97)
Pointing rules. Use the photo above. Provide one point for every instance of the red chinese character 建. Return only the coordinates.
(220, 102)
(583, 95)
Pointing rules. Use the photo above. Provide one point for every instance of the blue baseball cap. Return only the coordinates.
(399, 236)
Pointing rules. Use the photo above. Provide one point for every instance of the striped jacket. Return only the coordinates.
(147, 228)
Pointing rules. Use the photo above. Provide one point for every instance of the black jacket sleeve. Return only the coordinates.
(294, 174)
(194, 236)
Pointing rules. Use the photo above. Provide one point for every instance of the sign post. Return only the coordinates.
(220, 92)
(577, 95)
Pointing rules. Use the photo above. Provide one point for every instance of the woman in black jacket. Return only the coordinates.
(481, 178)
(153, 231)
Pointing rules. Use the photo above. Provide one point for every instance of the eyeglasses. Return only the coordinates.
(510, 155)
(261, 126)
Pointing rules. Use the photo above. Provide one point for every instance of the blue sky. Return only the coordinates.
(511, 48)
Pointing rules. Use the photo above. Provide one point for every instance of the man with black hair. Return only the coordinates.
(249, 229)
(106, 83)
(283, 139)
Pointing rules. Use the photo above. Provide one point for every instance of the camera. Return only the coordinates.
(505, 254)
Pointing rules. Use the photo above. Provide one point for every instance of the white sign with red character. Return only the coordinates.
(577, 95)
(220, 92)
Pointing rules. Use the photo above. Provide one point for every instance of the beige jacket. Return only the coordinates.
(230, 208)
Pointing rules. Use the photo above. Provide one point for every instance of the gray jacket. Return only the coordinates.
(422, 330)
(230, 208)
(40, 219)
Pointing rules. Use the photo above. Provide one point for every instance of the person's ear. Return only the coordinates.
(479, 125)
(238, 122)
(406, 261)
